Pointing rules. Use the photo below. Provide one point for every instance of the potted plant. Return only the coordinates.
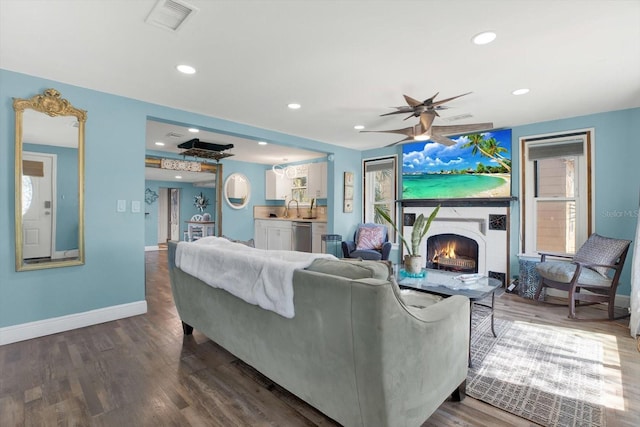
(412, 260)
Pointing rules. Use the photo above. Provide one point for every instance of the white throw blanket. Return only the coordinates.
(258, 276)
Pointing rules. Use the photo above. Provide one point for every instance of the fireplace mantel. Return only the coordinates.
(465, 202)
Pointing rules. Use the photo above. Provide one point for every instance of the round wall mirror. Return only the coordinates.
(237, 190)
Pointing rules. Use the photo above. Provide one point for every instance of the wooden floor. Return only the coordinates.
(141, 371)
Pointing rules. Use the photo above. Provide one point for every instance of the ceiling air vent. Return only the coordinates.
(174, 135)
(170, 14)
(458, 117)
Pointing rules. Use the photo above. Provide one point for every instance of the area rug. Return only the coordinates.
(545, 374)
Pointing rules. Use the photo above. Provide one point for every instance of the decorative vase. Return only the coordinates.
(206, 216)
(413, 263)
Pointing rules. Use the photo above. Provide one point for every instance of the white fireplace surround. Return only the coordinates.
(471, 222)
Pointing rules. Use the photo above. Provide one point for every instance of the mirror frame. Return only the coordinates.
(50, 103)
(227, 182)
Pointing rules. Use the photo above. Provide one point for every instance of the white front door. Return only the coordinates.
(37, 205)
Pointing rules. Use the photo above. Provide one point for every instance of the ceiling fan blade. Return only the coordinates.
(412, 102)
(442, 140)
(429, 101)
(409, 138)
(410, 132)
(426, 120)
(454, 129)
(443, 101)
(400, 110)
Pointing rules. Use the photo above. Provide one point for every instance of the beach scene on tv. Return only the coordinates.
(478, 165)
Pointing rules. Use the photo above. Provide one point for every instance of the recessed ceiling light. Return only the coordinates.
(520, 91)
(161, 144)
(178, 176)
(194, 130)
(262, 142)
(358, 127)
(484, 38)
(294, 106)
(186, 69)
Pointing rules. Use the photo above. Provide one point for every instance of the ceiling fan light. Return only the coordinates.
(484, 38)
(423, 137)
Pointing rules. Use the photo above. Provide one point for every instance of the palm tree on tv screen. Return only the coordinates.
(488, 148)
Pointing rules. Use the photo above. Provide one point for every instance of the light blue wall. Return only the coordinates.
(617, 187)
(617, 150)
(114, 242)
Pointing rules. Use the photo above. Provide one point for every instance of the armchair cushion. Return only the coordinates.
(371, 237)
(563, 271)
(601, 250)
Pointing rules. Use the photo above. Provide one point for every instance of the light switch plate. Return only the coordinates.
(135, 206)
(121, 206)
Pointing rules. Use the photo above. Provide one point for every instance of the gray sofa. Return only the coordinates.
(358, 349)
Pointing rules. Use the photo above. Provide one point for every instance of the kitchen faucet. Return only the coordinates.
(286, 212)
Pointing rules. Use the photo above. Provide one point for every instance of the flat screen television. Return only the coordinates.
(478, 165)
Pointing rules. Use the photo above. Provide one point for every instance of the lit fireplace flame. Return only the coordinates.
(447, 252)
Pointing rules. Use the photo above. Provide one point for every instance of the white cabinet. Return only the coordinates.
(270, 234)
(279, 237)
(317, 180)
(277, 187)
(317, 230)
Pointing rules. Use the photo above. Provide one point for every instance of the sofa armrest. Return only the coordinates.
(420, 357)
(386, 250)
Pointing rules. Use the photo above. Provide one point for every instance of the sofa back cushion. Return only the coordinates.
(351, 269)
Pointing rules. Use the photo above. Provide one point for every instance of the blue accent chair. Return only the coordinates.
(349, 247)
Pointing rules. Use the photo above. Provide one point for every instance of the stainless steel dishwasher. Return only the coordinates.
(301, 236)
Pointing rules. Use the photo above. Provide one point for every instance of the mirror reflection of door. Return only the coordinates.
(37, 209)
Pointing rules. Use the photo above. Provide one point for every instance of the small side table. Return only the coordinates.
(332, 244)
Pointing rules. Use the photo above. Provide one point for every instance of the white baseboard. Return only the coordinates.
(40, 328)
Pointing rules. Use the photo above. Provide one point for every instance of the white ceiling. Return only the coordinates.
(346, 62)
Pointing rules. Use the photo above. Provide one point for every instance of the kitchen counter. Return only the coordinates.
(264, 212)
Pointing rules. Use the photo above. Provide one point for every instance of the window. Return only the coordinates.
(557, 205)
(380, 190)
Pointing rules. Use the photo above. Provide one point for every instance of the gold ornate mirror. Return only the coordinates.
(49, 182)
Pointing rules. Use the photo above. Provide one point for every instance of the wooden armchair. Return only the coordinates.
(595, 268)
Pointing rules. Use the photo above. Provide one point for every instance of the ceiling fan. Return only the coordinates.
(424, 130)
(416, 107)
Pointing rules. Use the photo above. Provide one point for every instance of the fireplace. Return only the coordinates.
(480, 234)
(452, 252)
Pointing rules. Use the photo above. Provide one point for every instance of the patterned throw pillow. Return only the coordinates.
(370, 238)
(601, 250)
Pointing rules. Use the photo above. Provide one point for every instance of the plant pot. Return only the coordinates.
(413, 263)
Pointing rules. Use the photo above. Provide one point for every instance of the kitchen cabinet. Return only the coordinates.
(317, 230)
(317, 180)
(277, 187)
(276, 235)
